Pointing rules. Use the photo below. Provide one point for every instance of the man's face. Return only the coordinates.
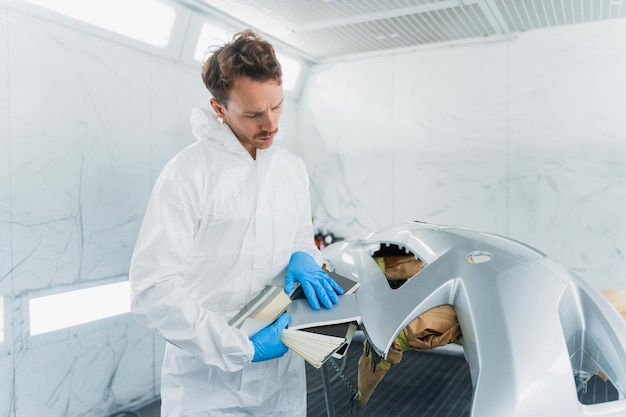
(253, 112)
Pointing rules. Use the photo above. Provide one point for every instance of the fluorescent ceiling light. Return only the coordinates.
(1, 319)
(291, 71)
(60, 311)
(210, 35)
(149, 21)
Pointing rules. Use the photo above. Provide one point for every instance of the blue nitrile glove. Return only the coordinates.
(316, 284)
(267, 343)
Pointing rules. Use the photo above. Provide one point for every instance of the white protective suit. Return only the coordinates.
(219, 227)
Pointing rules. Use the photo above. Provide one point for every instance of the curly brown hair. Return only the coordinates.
(246, 55)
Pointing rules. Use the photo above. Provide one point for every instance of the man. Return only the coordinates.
(227, 215)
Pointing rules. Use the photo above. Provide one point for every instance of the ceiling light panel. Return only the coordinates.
(434, 26)
(294, 14)
(524, 15)
(327, 29)
(330, 28)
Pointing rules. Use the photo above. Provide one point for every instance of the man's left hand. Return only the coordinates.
(318, 287)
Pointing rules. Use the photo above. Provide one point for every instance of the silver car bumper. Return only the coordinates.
(533, 331)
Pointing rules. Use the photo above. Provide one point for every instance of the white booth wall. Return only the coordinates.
(85, 126)
(523, 137)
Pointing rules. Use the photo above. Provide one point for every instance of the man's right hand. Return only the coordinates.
(267, 343)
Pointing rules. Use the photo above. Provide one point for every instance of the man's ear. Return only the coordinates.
(218, 107)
